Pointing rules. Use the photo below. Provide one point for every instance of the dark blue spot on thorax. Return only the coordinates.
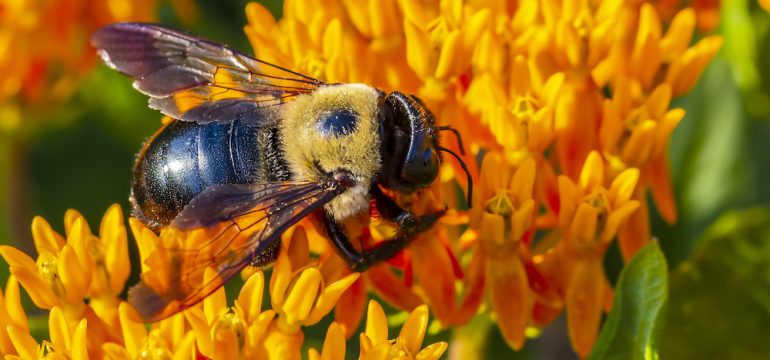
(338, 122)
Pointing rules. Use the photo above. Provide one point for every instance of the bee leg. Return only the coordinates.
(409, 225)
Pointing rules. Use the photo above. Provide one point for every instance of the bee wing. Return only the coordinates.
(193, 79)
(216, 236)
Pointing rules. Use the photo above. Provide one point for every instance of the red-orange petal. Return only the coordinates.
(509, 293)
(434, 274)
(350, 307)
(662, 189)
(585, 298)
(391, 288)
(636, 232)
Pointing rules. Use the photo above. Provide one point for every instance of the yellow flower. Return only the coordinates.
(12, 315)
(231, 332)
(75, 268)
(503, 214)
(166, 338)
(299, 293)
(636, 135)
(521, 115)
(554, 85)
(68, 339)
(653, 52)
(375, 343)
(566, 105)
(31, 73)
(334, 345)
(590, 216)
(66, 342)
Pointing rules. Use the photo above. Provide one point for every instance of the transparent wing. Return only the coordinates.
(216, 236)
(192, 79)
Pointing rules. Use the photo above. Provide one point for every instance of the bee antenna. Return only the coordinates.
(457, 135)
(465, 168)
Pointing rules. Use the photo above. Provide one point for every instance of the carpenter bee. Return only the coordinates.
(255, 148)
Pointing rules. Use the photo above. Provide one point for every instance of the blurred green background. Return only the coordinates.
(720, 159)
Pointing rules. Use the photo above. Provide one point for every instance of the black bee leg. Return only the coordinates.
(409, 225)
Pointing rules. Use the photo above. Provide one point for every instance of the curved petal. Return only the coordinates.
(329, 297)
(585, 297)
(509, 295)
(413, 330)
(250, 296)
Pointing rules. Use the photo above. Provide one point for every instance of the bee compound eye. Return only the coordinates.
(338, 122)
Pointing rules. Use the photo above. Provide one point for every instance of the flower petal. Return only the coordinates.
(350, 307)
(225, 344)
(432, 351)
(376, 323)
(509, 293)
(592, 175)
(79, 349)
(185, 349)
(17, 258)
(12, 304)
(202, 331)
(250, 297)
(256, 331)
(112, 234)
(215, 303)
(413, 330)
(302, 296)
(23, 342)
(134, 333)
(37, 288)
(59, 329)
(46, 240)
(280, 280)
(584, 305)
(622, 188)
(329, 297)
(74, 276)
(582, 232)
(334, 344)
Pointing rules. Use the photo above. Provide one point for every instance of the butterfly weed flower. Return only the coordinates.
(31, 74)
(565, 110)
(79, 274)
(65, 343)
(503, 215)
(300, 294)
(12, 315)
(376, 344)
(590, 215)
(581, 93)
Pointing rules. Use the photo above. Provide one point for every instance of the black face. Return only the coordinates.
(410, 160)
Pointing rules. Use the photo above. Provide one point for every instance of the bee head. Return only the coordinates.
(409, 143)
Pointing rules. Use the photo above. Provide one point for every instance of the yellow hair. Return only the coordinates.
(307, 149)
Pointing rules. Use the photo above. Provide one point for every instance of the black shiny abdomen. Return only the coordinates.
(183, 158)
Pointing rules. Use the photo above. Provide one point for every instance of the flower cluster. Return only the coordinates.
(565, 109)
(79, 276)
(44, 49)
(566, 103)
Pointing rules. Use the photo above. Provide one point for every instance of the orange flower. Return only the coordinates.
(590, 216)
(503, 214)
(375, 343)
(79, 267)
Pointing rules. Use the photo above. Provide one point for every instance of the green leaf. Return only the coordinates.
(634, 326)
(720, 297)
